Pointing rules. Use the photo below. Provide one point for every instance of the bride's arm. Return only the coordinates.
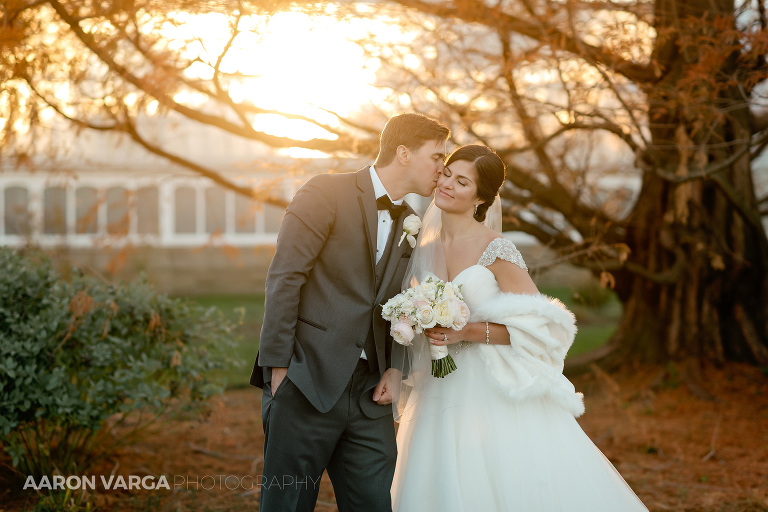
(498, 334)
(512, 279)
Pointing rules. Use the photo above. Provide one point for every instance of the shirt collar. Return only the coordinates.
(378, 187)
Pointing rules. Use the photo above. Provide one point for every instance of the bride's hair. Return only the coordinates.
(490, 173)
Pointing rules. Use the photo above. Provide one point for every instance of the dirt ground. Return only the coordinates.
(678, 451)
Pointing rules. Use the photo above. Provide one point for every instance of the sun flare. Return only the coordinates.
(290, 62)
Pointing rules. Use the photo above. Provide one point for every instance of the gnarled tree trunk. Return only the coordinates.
(705, 292)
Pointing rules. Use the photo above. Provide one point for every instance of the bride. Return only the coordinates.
(499, 432)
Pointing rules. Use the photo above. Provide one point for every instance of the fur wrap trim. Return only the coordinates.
(541, 330)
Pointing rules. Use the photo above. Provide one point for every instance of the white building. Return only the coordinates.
(104, 200)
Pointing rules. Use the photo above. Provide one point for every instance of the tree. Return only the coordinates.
(558, 88)
(630, 129)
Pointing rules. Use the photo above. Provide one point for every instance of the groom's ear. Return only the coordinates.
(403, 154)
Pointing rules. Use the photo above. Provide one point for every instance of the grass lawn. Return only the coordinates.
(248, 312)
(597, 314)
(597, 311)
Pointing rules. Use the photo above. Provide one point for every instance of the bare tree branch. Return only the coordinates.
(496, 19)
(246, 131)
(257, 195)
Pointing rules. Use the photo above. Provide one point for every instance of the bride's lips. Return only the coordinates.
(444, 194)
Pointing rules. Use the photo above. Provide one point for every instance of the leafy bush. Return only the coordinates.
(77, 356)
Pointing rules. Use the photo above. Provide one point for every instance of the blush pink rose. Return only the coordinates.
(402, 332)
(460, 313)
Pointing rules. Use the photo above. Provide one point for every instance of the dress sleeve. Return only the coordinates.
(503, 249)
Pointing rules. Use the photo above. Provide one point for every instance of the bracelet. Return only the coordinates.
(487, 335)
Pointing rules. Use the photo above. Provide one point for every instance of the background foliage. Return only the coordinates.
(77, 356)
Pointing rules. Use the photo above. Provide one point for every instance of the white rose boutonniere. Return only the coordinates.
(411, 227)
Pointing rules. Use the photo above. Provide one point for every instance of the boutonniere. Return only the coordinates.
(411, 227)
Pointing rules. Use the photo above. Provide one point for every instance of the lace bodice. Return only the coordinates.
(503, 249)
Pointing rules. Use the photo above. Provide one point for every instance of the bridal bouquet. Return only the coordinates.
(433, 302)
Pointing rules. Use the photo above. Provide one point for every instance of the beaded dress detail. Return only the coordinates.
(502, 248)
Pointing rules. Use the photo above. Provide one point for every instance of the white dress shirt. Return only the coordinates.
(385, 221)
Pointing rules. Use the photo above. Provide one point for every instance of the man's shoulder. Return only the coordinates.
(333, 180)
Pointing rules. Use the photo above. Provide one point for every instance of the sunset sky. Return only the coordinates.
(298, 62)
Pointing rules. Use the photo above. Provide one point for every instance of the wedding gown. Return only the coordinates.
(499, 434)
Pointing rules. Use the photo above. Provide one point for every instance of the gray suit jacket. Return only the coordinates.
(321, 296)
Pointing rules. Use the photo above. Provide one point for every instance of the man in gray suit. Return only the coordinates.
(325, 357)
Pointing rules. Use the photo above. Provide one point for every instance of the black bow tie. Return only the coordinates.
(385, 203)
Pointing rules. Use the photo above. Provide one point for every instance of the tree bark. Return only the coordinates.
(715, 308)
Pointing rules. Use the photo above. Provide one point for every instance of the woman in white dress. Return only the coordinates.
(497, 434)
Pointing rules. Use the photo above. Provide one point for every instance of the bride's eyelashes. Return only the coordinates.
(447, 173)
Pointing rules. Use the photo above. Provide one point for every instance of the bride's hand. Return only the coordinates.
(440, 336)
(473, 331)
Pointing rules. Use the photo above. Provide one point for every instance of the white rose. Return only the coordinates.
(443, 313)
(411, 227)
(412, 224)
(428, 289)
(425, 316)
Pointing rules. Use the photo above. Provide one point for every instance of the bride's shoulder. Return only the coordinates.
(508, 267)
(499, 248)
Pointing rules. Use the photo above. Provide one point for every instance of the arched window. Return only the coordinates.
(245, 214)
(147, 216)
(185, 210)
(118, 220)
(17, 216)
(273, 216)
(55, 211)
(86, 210)
(215, 210)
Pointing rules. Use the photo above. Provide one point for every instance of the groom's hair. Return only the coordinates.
(409, 130)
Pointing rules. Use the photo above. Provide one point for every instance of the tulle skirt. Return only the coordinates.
(463, 446)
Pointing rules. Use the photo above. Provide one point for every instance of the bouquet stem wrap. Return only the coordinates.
(442, 362)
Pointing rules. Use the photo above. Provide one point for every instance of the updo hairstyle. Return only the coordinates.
(490, 173)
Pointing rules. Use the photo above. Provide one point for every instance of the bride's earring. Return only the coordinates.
(475, 209)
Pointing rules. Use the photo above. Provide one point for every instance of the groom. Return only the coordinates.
(325, 357)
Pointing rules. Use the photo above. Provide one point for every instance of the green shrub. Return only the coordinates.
(77, 356)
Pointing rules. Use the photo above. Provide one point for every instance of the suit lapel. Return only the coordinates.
(394, 255)
(368, 210)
